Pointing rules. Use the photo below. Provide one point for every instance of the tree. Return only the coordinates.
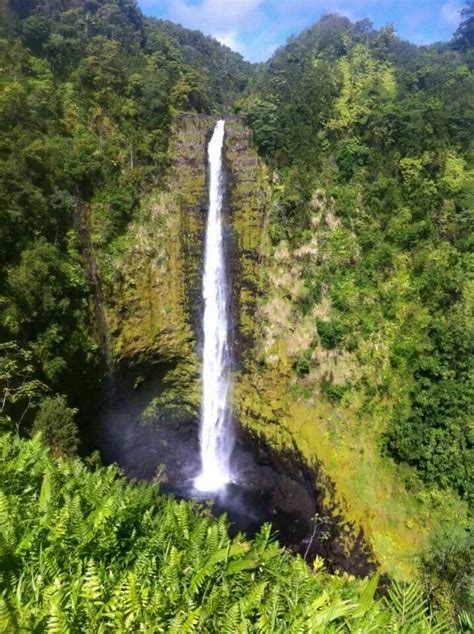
(55, 422)
(463, 39)
(20, 390)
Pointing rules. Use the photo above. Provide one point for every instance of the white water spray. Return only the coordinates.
(216, 437)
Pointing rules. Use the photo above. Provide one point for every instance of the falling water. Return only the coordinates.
(216, 438)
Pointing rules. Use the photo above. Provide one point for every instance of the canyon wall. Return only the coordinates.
(151, 288)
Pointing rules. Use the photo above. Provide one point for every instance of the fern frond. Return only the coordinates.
(408, 603)
(185, 623)
(7, 619)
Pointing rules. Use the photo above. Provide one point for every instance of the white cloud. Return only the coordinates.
(254, 49)
(233, 40)
(255, 28)
(216, 16)
(239, 24)
(230, 39)
(451, 13)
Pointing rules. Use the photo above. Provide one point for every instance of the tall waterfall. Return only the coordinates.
(216, 437)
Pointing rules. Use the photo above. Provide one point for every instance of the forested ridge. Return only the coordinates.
(371, 131)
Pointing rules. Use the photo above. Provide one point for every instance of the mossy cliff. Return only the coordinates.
(263, 396)
(249, 195)
(151, 281)
(151, 275)
(292, 395)
(298, 391)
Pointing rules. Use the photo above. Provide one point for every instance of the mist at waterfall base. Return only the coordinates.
(270, 487)
(167, 452)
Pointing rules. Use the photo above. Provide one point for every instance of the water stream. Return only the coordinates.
(215, 432)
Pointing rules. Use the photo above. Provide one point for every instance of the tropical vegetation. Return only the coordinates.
(348, 119)
(82, 550)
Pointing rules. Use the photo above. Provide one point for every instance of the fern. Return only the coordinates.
(182, 519)
(231, 620)
(170, 574)
(45, 493)
(408, 603)
(185, 623)
(4, 509)
(91, 587)
(7, 619)
(84, 551)
(57, 622)
(222, 555)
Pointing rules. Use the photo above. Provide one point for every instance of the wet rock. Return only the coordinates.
(270, 486)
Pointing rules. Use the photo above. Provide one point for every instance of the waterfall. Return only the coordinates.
(216, 437)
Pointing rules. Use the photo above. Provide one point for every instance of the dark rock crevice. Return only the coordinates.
(296, 494)
(82, 225)
(272, 486)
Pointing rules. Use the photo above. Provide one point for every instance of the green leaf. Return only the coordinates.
(367, 597)
(45, 493)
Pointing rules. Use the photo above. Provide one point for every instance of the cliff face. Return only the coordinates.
(302, 396)
(151, 288)
(151, 292)
(151, 283)
(270, 336)
(151, 277)
(249, 197)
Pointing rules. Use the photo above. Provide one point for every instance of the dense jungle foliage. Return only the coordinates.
(88, 91)
(380, 131)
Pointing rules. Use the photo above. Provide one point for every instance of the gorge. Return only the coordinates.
(235, 327)
(159, 438)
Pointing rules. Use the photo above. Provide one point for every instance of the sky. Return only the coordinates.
(255, 28)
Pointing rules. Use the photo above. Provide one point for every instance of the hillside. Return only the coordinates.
(89, 92)
(365, 309)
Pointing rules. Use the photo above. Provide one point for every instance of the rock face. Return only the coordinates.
(248, 200)
(153, 285)
(152, 294)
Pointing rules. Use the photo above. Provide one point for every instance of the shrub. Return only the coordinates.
(55, 422)
(302, 365)
(330, 333)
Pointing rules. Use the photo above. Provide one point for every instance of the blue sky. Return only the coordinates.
(256, 27)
